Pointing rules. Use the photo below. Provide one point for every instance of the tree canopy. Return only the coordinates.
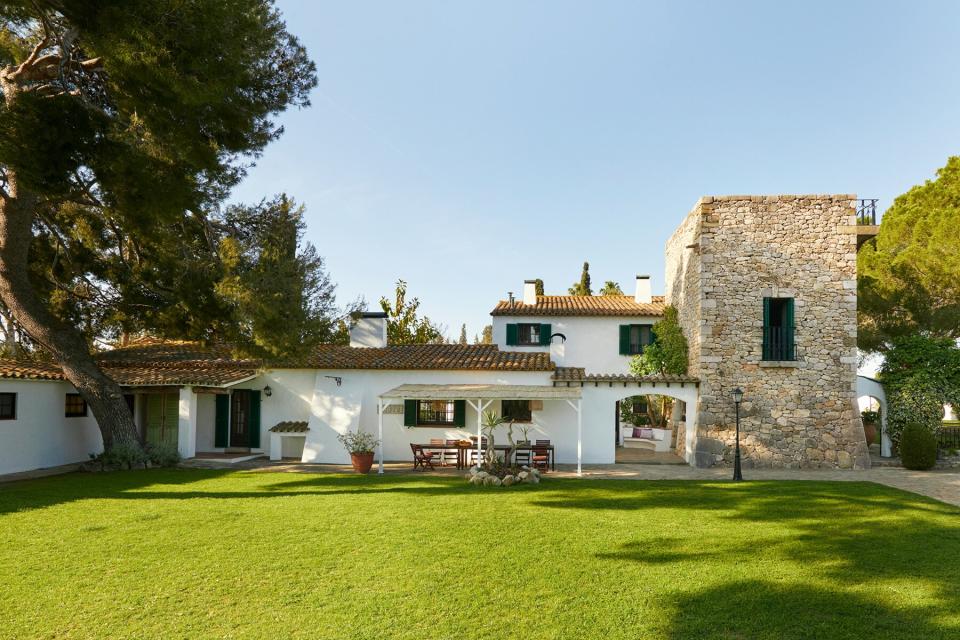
(909, 275)
(123, 126)
(582, 288)
(611, 288)
(404, 325)
(669, 352)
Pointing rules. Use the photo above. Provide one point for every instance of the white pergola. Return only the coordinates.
(479, 397)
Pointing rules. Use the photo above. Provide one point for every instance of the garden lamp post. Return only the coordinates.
(737, 399)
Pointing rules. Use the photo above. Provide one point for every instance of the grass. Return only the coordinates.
(210, 554)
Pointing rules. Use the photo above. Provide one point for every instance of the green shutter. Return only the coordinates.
(788, 330)
(254, 424)
(511, 335)
(459, 413)
(545, 330)
(222, 421)
(624, 339)
(409, 413)
(766, 329)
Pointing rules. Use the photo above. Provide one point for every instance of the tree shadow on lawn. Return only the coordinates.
(760, 609)
(849, 533)
(48, 491)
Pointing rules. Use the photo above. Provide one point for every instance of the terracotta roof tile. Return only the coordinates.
(182, 363)
(429, 356)
(290, 426)
(577, 374)
(582, 306)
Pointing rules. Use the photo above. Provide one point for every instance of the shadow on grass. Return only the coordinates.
(761, 609)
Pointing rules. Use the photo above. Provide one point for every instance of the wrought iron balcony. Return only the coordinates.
(867, 211)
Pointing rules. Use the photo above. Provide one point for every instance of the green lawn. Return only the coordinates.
(209, 554)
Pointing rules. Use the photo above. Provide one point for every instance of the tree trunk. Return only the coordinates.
(64, 342)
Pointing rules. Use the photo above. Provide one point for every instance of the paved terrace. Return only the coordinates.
(940, 485)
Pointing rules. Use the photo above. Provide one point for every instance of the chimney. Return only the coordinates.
(530, 292)
(643, 295)
(370, 330)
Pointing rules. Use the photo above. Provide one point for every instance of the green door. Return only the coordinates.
(163, 418)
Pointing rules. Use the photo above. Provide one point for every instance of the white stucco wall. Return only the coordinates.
(41, 436)
(593, 342)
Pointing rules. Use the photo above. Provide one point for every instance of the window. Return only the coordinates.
(640, 404)
(8, 406)
(438, 412)
(528, 334)
(778, 329)
(634, 337)
(516, 410)
(76, 406)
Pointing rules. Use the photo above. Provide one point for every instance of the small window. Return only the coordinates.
(640, 404)
(528, 334)
(516, 410)
(8, 406)
(76, 406)
(778, 329)
(639, 338)
(435, 412)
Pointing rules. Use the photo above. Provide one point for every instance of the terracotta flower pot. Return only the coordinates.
(870, 432)
(362, 461)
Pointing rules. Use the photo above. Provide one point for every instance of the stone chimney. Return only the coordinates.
(643, 294)
(370, 330)
(529, 292)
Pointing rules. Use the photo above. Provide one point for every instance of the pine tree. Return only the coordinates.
(122, 126)
(404, 326)
(538, 287)
(582, 288)
(463, 334)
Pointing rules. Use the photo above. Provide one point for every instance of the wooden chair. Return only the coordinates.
(438, 452)
(522, 455)
(541, 458)
(473, 449)
(421, 459)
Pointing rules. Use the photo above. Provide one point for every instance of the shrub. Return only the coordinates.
(123, 456)
(358, 442)
(163, 455)
(918, 447)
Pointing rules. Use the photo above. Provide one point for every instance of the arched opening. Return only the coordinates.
(648, 427)
(872, 404)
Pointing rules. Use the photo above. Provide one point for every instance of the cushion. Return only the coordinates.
(637, 432)
(646, 433)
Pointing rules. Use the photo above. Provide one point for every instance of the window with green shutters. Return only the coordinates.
(528, 334)
(779, 342)
(634, 337)
(434, 413)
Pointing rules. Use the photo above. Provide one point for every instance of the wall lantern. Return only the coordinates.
(267, 391)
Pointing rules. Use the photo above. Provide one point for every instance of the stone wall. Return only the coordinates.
(730, 253)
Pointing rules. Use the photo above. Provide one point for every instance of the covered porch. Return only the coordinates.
(480, 398)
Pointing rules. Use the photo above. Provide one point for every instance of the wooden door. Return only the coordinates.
(240, 418)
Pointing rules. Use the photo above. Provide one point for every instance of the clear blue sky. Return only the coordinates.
(467, 146)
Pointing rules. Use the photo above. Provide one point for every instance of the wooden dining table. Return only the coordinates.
(463, 449)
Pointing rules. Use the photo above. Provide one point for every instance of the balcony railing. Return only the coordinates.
(778, 344)
(867, 211)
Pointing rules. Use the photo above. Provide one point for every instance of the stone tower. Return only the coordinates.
(766, 292)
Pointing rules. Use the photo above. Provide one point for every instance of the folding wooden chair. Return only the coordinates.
(421, 459)
(541, 458)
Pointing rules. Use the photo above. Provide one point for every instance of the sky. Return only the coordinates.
(467, 146)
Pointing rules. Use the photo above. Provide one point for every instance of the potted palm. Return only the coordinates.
(360, 446)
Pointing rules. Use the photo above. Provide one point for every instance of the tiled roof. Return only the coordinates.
(428, 356)
(581, 306)
(290, 426)
(183, 363)
(579, 375)
(29, 369)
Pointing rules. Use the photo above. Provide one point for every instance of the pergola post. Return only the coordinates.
(380, 408)
(577, 407)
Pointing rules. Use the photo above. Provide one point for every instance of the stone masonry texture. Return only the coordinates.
(727, 255)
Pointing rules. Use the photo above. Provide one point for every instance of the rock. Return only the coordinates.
(474, 470)
(523, 475)
(533, 479)
(508, 480)
(496, 481)
(483, 474)
(488, 481)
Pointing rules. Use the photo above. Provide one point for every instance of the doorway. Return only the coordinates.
(163, 418)
(240, 419)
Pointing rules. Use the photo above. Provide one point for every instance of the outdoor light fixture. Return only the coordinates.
(267, 391)
(737, 399)
(336, 379)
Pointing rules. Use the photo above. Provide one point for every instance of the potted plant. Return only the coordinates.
(360, 446)
(525, 430)
(870, 420)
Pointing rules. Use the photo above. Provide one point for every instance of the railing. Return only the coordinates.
(950, 437)
(867, 211)
(778, 344)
